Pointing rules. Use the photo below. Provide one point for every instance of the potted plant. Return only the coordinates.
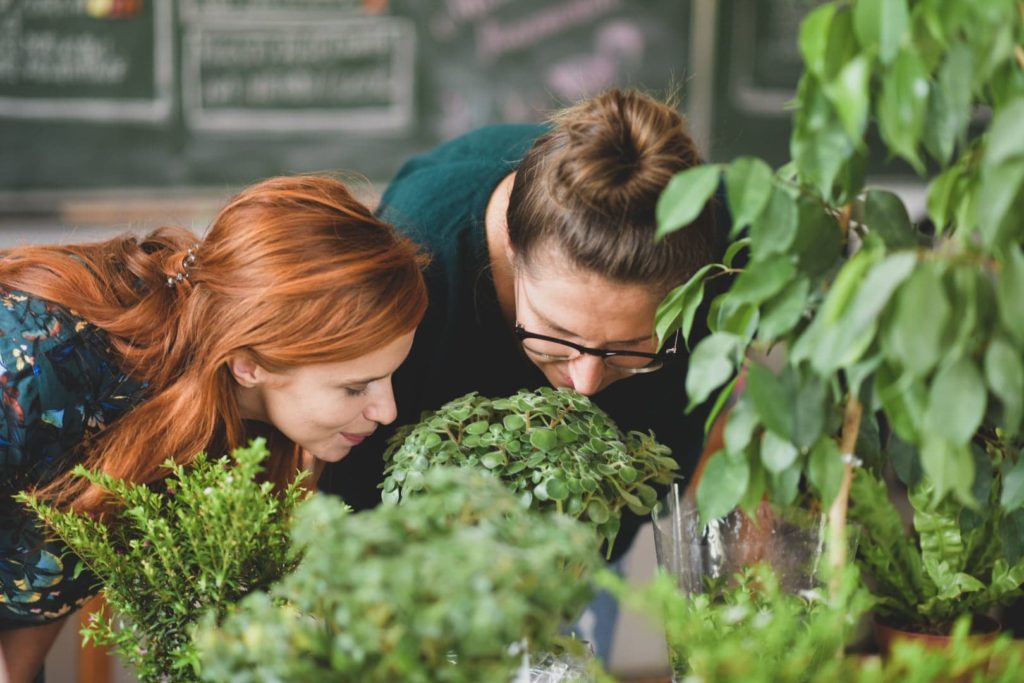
(440, 589)
(955, 561)
(751, 630)
(886, 324)
(213, 534)
(554, 449)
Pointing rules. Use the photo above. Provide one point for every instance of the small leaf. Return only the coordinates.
(1004, 373)
(678, 308)
(735, 248)
(1005, 139)
(956, 402)
(772, 398)
(775, 228)
(1009, 288)
(712, 363)
(513, 422)
(886, 216)
(543, 439)
(825, 469)
(777, 453)
(684, 197)
(761, 280)
(902, 106)
(849, 94)
(722, 485)
(882, 25)
(916, 333)
(780, 314)
(814, 38)
(748, 185)
(1012, 496)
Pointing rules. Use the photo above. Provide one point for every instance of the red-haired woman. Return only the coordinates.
(286, 320)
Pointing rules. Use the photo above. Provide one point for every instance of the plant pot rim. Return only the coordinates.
(982, 625)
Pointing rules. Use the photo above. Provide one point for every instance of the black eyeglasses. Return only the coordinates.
(554, 350)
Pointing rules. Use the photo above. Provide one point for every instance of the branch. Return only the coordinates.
(837, 513)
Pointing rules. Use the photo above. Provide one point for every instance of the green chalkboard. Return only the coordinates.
(100, 94)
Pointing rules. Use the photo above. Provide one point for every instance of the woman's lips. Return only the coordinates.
(355, 439)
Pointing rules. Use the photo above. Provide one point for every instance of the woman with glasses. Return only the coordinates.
(545, 272)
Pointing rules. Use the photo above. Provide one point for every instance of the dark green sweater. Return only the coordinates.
(439, 200)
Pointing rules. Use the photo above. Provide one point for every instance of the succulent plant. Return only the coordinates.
(554, 448)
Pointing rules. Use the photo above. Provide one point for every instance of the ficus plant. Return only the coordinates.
(889, 325)
(554, 449)
(210, 533)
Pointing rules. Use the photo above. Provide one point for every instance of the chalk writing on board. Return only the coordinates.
(354, 74)
(89, 61)
(198, 10)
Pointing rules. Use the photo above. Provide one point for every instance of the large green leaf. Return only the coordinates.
(956, 401)
(819, 144)
(886, 216)
(773, 398)
(818, 244)
(881, 25)
(999, 196)
(949, 107)
(684, 197)
(722, 485)
(1012, 496)
(678, 308)
(781, 313)
(748, 185)
(916, 333)
(777, 454)
(902, 106)
(849, 93)
(905, 401)
(1004, 372)
(948, 467)
(813, 39)
(943, 196)
(1005, 138)
(1009, 288)
(761, 280)
(775, 227)
(712, 363)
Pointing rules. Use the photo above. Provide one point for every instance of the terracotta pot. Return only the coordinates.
(984, 629)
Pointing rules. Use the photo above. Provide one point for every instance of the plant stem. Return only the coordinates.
(837, 513)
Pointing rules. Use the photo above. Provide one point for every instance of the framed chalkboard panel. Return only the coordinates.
(101, 94)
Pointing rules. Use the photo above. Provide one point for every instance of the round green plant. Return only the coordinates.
(555, 449)
(437, 590)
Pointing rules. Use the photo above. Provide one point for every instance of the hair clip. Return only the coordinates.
(186, 265)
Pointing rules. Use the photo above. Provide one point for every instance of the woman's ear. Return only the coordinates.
(245, 371)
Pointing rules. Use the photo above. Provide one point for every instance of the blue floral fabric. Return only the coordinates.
(59, 386)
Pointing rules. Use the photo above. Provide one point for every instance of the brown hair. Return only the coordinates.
(587, 191)
(293, 271)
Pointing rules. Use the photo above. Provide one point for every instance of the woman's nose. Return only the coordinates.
(587, 373)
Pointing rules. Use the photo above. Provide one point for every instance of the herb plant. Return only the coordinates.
(437, 590)
(554, 449)
(212, 535)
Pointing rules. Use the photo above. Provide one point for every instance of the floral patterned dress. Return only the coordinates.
(59, 385)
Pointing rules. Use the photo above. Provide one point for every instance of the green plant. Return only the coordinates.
(439, 589)
(955, 561)
(923, 329)
(212, 535)
(555, 449)
(751, 631)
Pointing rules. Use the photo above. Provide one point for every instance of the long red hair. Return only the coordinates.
(293, 271)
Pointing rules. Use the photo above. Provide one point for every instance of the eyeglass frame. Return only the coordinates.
(522, 334)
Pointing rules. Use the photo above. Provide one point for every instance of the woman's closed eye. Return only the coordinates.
(356, 390)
